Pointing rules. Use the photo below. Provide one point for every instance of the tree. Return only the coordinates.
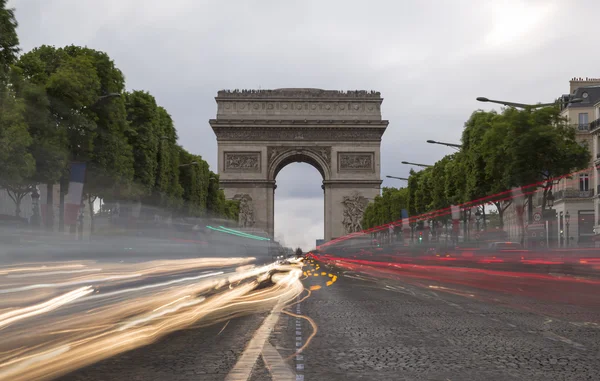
(167, 188)
(385, 208)
(9, 40)
(81, 123)
(144, 136)
(16, 161)
(540, 146)
(194, 176)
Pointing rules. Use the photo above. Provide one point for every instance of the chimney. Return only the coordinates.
(576, 83)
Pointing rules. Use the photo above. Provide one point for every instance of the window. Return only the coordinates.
(584, 182)
(583, 121)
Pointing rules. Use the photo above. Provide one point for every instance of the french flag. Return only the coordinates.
(73, 198)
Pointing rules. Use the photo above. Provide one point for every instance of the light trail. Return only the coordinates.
(23, 313)
(82, 325)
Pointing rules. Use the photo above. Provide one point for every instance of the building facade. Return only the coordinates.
(595, 134)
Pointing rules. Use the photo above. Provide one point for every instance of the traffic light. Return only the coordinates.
(420, 236)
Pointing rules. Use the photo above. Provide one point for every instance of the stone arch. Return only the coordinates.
(280, 157)
(259, 132)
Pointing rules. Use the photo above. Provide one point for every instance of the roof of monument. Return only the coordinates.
(299, 93)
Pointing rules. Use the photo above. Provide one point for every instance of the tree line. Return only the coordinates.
(499, 151)
(64, 105)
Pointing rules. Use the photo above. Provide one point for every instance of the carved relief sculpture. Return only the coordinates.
(243, 161)
(246, 216)
(353, 161)
(354, 207)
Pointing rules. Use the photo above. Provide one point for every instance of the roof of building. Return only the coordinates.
(590, 95)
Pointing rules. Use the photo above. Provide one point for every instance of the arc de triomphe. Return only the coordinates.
(259, 132)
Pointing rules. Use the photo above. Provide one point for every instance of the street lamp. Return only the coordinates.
(477, 218)
(451, 145)
(104, 97)
(417, 164)
(188, 164)
(398, 178)
(550, 199)
(524, 105)
(567, 218)
(35, 204)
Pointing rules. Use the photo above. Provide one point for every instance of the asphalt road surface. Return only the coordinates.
(357, 322)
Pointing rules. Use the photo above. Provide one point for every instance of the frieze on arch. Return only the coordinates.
(300, 133)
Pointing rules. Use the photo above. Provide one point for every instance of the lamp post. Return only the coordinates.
(549, 216)
(417, 164)
(477, 220)
(525, 105)
(188, 164)
(35, 204)
(451, 145)
(397, 178)
(80, 220)
(567, 218)
(105, 97)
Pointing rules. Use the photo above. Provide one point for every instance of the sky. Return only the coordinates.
(429, 59)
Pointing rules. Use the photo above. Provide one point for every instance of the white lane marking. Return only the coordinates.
(555, 337)
(299, 358)
(279, 370)
(511, 325)
(243, 368)
(222, 329)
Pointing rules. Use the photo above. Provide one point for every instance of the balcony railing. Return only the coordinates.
(595, 124)
(583, 127)
(573, 193)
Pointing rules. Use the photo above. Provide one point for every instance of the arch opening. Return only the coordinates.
(299, 205)
(285, 158)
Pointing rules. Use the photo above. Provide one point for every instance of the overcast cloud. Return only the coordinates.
(429, 59)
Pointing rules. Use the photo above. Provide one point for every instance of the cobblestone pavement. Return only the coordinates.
(374, 326)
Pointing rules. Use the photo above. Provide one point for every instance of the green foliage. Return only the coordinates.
(144, 136)
(385, 208)
(58, 105)
(499, 151)
(16, 161)
(9, 41)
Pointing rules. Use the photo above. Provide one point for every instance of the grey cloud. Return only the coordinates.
(429, 59)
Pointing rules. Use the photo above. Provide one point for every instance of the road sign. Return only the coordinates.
(537, 217)
(536, 227)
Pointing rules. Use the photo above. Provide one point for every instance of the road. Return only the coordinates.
(359, 322)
